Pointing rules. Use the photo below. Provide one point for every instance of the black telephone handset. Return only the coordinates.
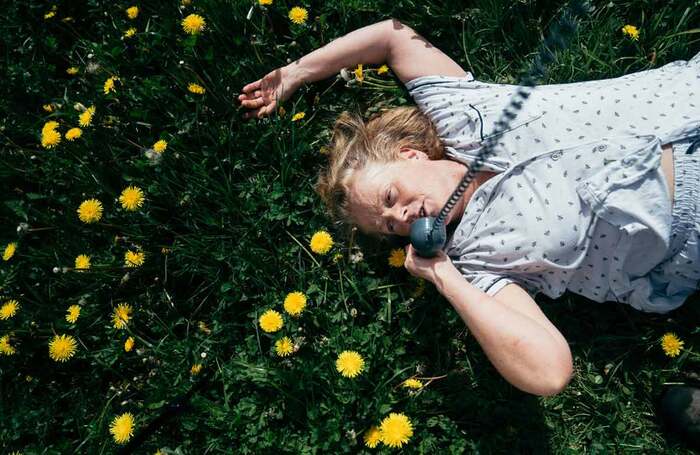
(426, 240)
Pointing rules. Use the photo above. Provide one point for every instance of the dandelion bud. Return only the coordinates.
(22, 227)
(125, 278)
(353, 312)
(250, 13)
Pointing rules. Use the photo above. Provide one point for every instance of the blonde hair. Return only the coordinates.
(356, 143)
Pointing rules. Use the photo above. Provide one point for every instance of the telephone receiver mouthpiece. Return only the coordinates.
(425, 243)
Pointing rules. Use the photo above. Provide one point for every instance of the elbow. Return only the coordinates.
(557, 379)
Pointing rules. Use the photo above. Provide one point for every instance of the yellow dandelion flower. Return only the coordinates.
(265, 2)
(49, 136)
(131, 198)
(383, 69)
(62, 348)
(298, 116)
(50, 125)
(5, 347)
(9, 309)
(48, 107)
(196, 88)
(121, 315)
(132, 12)
(73, 70)
(372, 437)
(130, 32)
(298, 15)
(358, 73)
(631, 31)
(90, 211)
(349, 364)
(671, 344)
(9, 251)
(203, 327)
(134, 258)
(397, 257)
(122, 427)
(73, 313)
(73, 133)
(129, 344)
(271, 321)
(395, 430)
(49, 15)
(85, 119)
(82, 262)
(193, 24)
(284, 347)
(185, 2)
(321, 242)
(160, 146)
(109, 85)
(294, 303)
(412, 383)
(196, 368)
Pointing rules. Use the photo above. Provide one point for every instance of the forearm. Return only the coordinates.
(519, 347)
(367, 45)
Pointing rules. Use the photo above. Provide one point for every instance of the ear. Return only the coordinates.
(409, 153)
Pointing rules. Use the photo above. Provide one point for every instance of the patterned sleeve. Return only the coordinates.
(489, 282)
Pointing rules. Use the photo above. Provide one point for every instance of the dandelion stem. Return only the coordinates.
(304, 248)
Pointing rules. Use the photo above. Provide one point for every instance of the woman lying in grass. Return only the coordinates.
(579, 195)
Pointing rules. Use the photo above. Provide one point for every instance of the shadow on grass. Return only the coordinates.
(610, 403)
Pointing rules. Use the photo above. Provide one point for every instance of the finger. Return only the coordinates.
(248, 96)
(252, 86)
(270, 108)
(253, 104)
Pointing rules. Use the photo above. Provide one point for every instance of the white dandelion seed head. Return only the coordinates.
(92, 67)
(56, 270)
(345, 75)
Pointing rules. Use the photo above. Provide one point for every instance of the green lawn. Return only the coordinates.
(232, 204)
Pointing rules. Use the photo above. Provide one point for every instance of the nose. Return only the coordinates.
(407, 216)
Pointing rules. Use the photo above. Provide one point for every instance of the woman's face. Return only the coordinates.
(387, 198)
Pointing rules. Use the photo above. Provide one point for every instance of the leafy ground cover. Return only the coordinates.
(141, 251)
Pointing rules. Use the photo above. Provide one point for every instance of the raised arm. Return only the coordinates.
(408, 54)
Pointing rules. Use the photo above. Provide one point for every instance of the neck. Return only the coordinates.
(478, 179)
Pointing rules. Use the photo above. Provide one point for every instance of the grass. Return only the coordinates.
(233, 201)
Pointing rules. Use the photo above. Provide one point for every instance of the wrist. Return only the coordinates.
(443, 273)
(296, 74)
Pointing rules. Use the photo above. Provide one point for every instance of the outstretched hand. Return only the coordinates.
(263, 95)
(426, 268)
